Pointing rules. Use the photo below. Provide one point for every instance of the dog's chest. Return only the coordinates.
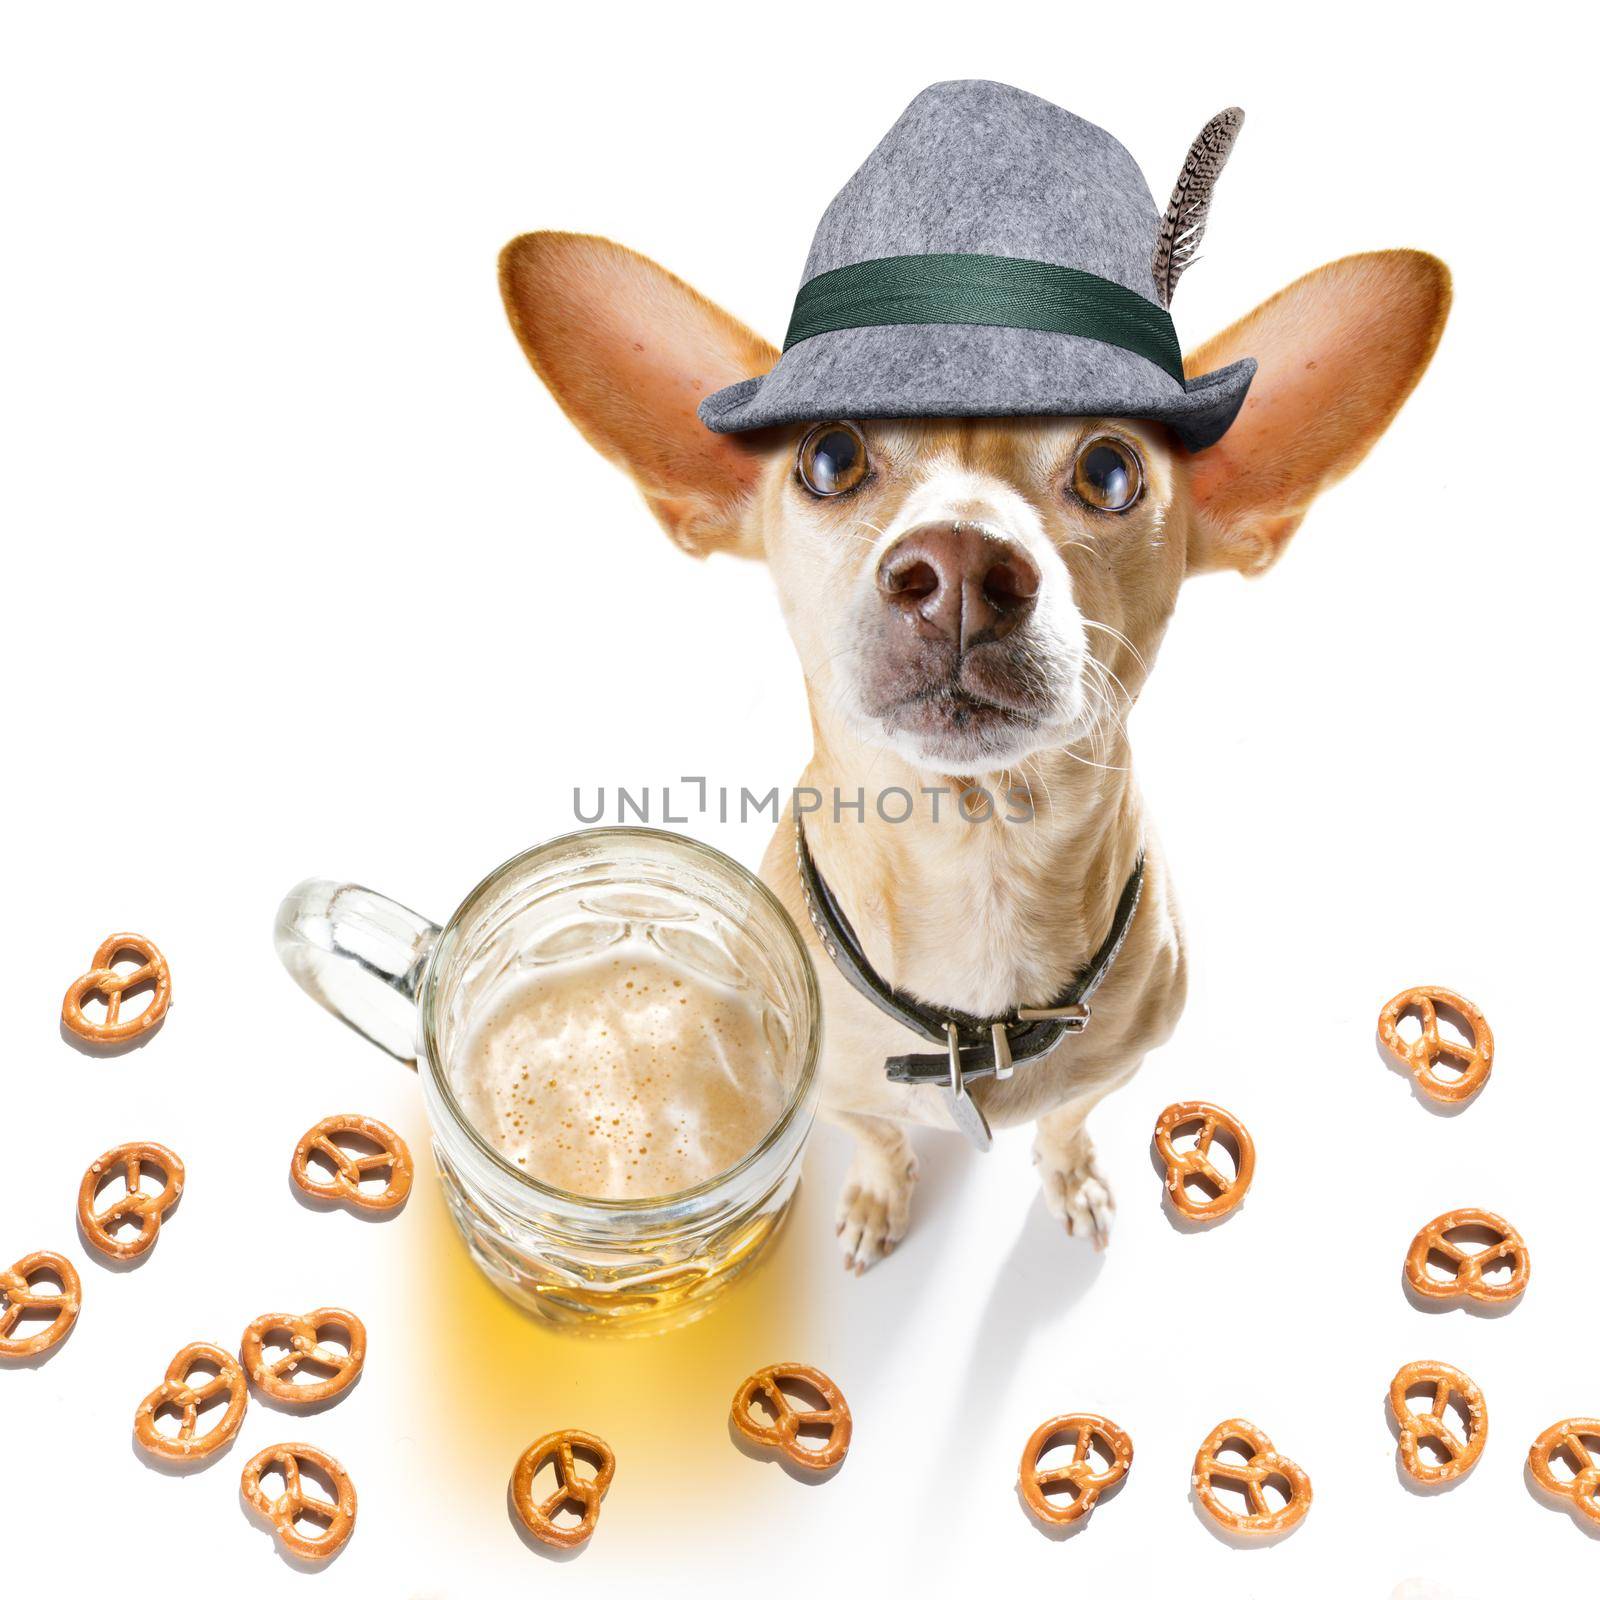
(981, 927)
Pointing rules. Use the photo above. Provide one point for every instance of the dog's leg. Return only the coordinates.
(1074, 1189)
(875, 1204)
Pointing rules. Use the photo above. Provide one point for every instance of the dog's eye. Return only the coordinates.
(1106, 475)
(833, 459)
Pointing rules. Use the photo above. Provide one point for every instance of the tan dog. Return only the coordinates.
(976, 602)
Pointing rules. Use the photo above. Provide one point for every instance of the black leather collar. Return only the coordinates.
(971, 1047)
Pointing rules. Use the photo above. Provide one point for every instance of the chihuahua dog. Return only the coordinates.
(976, 605)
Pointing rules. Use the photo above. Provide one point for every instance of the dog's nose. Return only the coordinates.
(959, 581)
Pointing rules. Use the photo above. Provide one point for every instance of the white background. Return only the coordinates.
(306, 574)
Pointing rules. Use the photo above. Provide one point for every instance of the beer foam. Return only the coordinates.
(619, 1076)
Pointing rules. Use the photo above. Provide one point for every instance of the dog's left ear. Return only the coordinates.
(1339, 351)
(629, 352)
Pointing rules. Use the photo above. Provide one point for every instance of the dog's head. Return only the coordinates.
(970, 592)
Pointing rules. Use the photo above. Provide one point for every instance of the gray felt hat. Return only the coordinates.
(997, 256)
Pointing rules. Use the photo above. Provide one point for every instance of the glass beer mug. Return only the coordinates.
(416, 989)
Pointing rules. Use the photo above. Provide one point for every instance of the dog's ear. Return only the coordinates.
(629, 352)
(1339, 351)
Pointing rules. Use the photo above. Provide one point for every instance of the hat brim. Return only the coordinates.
(962, 370)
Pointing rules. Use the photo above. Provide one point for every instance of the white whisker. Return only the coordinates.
(1121, 638)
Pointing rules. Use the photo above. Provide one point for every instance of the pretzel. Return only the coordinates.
(177, 1390)
(783, 1432)
(135, 1205)
(104, 980)
(17, 1295)
(1182, 1165)
(348, 1170)
(1252, 1475)
(1567, 1439)
(1421, 1056)
(1430, 1425)
(338, 1516)
(1088, 1482)
(275, 1376)
(1468, 1281)
(571, 1489)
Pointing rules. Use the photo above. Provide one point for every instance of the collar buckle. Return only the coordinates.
(1073, 1018)
(1000, 1040)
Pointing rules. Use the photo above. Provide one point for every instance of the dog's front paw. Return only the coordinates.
(1074, 1189)
(875, 1205)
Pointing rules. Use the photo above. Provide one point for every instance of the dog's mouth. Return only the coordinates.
(961, 726)
(963, 710)
(947, 708)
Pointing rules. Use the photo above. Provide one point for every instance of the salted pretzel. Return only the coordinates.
(349, 1170)
(1432, 1427)
(1468, 1266)
(789, 1421)
(186, 1396)
(1086, 1480)
(104, 980)
(1577, 1439)
(1252, 1475)
(18, 1296)
(134, 1205)
(275, 1375)
(573, 1489)
(1182, 1165)
(1421, 1056)
(337, 1516)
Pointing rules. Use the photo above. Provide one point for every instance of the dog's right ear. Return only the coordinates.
(629, 352)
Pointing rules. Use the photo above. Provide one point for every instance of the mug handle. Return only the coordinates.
(359, 954)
